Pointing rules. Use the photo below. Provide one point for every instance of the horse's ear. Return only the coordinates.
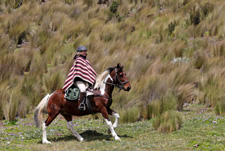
(118, 65)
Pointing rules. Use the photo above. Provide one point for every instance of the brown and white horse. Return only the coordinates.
(100, 100)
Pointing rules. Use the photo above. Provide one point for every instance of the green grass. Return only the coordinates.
(201, 130)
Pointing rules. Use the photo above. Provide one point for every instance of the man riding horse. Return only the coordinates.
(81, 75)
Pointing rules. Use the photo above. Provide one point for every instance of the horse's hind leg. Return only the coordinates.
(70, 127)
(50, 118)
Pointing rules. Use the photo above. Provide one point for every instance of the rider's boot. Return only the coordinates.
(82, 101)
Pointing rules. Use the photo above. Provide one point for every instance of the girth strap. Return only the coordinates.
(89, 105)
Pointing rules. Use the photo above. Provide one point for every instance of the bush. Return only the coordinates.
(168, 122)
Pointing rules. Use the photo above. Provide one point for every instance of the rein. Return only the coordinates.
(99, 94)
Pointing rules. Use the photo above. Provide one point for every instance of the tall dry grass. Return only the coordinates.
(172, 51)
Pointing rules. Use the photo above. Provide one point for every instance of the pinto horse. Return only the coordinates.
(100, 100)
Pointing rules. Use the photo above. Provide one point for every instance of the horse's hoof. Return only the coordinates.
(81, 139)
(46, 142)
(117, 138)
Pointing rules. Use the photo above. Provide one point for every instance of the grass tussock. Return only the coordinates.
(130, 116)
(220, 108)
(157, 107)
(168, 122)
(53, 81)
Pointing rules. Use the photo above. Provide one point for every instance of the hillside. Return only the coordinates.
(172, 51)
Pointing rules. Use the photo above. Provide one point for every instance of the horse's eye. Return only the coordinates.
(121, 75)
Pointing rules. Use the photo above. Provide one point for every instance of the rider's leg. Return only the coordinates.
(82, 86)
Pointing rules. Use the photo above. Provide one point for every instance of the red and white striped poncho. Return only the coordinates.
(81, 68)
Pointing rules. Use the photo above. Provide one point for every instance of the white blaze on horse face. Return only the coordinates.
(102, 87)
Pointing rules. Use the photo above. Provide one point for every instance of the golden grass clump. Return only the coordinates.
(53, 81)
(130, 115)
(13, 103)
(220, 108)
(158, 107)
(4, 96)
(168, 122)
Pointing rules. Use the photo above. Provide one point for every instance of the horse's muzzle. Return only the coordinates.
(128, 88)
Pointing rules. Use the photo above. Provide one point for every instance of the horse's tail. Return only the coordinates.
(42, 107)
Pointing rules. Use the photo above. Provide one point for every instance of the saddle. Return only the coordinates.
(72, 93)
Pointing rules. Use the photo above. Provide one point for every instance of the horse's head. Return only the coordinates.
(120, 78)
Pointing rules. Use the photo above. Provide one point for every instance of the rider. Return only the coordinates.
(81, 74)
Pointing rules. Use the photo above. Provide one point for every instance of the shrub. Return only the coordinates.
(168, 122)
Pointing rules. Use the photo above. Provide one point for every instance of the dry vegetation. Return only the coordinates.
(173, 51)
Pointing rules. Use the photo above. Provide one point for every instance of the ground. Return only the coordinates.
(201, 130)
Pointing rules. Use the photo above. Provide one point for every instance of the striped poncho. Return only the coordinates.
(82, 69)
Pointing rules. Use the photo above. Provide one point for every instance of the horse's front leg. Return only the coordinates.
(116, 115)
(109, 123)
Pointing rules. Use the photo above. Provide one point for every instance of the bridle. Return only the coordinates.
(121, 85)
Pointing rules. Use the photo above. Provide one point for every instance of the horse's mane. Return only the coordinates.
(101, 77)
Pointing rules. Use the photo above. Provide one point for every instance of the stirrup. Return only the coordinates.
(82, 107)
